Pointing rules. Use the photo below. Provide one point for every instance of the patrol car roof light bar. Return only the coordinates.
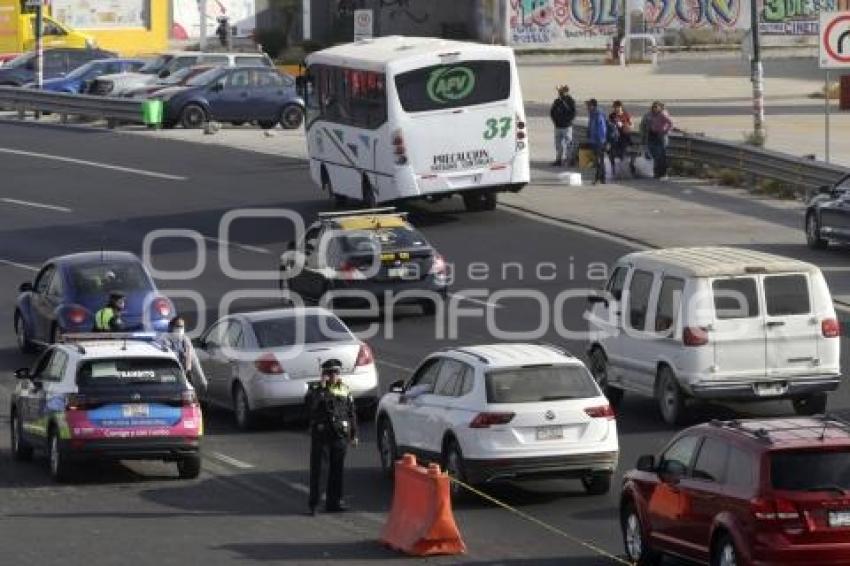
(107, 336)
(363, 212)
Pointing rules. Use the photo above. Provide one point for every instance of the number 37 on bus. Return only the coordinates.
(398, 118)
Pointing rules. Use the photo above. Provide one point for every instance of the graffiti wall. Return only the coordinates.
(567, 23)
(796, 17)
(719, 15)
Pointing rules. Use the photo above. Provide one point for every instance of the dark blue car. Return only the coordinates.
(69, 290)
(57, 62)
(236, 95)
(76, 80)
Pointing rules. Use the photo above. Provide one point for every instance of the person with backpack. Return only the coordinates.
(563, 113)
(597, 137)
(619, 135)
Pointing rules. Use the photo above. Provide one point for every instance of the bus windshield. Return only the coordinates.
(456, 85)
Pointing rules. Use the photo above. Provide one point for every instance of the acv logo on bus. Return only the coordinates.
(450, 83)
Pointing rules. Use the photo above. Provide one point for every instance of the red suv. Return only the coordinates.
(754, 492)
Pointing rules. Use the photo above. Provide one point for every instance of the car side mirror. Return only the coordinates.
(198, 343)
(646, 463)
(22, 373)
(397, 386)
(25, 287)
(290, 246)
(163, 73)
(617, 295)
(597, 300)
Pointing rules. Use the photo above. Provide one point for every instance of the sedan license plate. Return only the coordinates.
(135, 411)
(770, 389)
(550, 433)
(839, 519)
(396, 272)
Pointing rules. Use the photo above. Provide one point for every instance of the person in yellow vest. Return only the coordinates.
(108, 319)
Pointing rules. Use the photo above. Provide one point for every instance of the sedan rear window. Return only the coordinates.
(293, 331)
(810, 470)
(540, 383)
(130, 371)
(109, 276)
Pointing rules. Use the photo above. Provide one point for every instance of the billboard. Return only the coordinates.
(241, 13)
(102, 14)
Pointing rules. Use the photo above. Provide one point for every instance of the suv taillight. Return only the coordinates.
(189, 398)
(485, 420)
(600, 412)
(268, 364)
(774, 510)
(695, 336)
(364, 356)
(399, 149)
(830, 328)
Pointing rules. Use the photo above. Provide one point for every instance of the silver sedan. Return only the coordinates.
(264, 361)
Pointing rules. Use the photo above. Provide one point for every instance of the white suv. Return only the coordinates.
(502, 412)
(715, 323)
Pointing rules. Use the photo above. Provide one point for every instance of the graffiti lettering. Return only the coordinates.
(692, 13)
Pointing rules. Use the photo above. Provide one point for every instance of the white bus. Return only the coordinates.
(396, 118)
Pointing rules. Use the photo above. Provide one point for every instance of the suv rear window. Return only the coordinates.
(810, 470)
(288, 331)
(540, 383)
(465, 83)
(786, 295)
(130, 371)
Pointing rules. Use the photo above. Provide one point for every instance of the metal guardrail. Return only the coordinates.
(111, 109)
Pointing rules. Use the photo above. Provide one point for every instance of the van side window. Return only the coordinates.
(639, 288)
(786, 295)
(616, 282)
(736, 297)
(669, 300)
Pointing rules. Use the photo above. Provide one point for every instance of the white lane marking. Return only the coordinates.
(36, 204)
(97, 164)
(394, 366)
(246, 247)
(476, 301)
(232, 461)
(18, 265)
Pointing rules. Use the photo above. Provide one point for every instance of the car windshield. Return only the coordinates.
(383, 239)
(540, 383)
(130, 371)
(178, 76)
(811, 470)
(108, 276)
(205, 78)
(153, 66)
(293, 331)
(19, 61)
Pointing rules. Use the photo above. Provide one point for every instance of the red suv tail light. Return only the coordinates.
(695, 336)
(485, 420)
(830, 328)
(601, 412)
(364, 356)
(268, 364)
(774, 510)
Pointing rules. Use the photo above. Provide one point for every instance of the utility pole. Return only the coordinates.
(39, 45)
(757, 75)
(202, 18)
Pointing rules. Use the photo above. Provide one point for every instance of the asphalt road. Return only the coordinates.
(248, 505)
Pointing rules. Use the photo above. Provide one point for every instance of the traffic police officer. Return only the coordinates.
(333, 425)
(108, 319)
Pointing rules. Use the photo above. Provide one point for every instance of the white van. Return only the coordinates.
(715, 323)
(397, 118)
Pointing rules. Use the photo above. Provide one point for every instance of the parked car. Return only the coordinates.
(69, 290)
(502, 412)
(828, 215)
(167, 64)
(264, 361)
(236, 95)
(106, 396)
(77, 80)
(715, 323)
(57, 62)
(743, 493)
(178, 78)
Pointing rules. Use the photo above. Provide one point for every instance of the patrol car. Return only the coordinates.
(359, 255)
(106, 396)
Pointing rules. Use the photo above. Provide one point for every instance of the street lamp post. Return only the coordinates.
(202, 13)
(757, 76)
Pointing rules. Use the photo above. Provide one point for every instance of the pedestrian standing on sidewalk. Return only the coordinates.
(563, 113)
(655, 128)
(621, 121)
(597, 137)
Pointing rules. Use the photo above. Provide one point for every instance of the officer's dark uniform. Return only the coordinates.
(333, 425)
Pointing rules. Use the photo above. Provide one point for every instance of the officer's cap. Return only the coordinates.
(331, 366)
(116, 295)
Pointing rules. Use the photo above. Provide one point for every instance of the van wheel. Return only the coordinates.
(387, 449)
(241, 409)
(189, 467)
(599, 369)
(291, 117)
(671, 398)
(813, 237)
(21, 451)
(479, 201)
(193, 116)
(598, 483)
(811, 405)
(637, 547)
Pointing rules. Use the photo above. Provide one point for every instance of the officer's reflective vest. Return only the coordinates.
(103, 318)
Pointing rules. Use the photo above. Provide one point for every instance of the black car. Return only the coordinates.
(352, 257)
(58, 62)
(828, 215)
